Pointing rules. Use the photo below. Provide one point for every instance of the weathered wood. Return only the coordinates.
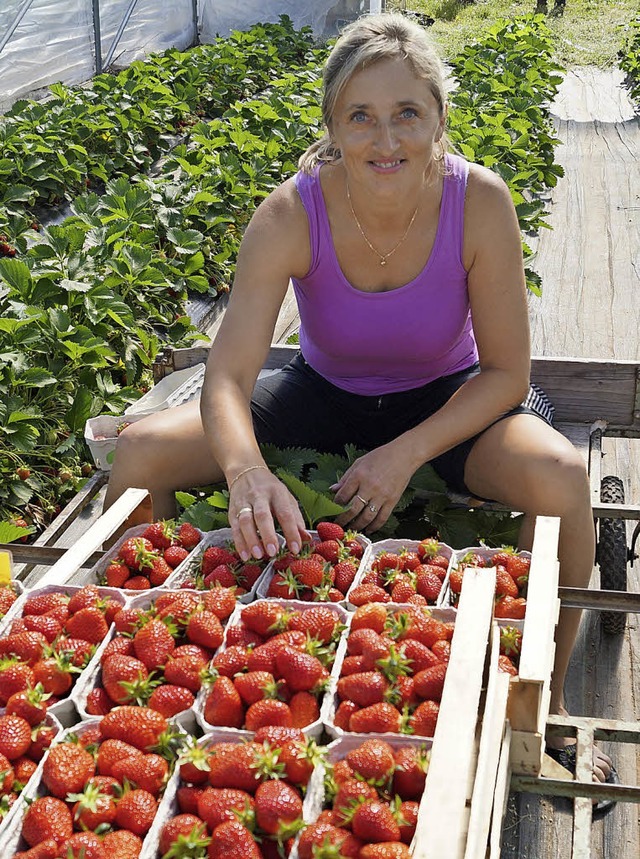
(33, 554)
(443, 816)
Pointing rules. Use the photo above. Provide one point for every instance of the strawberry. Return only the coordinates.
(47, 849)
(344, 575)
(276, 735)
(442, 649)
(158, 572)
(98, 703)
(185, 672)
(188, 535)
(54, 674)
(15, 677)
(428, 584)
(187, 797)
(47, 624)
(373, 820)
(137, 583)
(315, 837)
(319, 622)
(385, 850)
(423, 721)
(430, 682)
(41, 739)
(93, 807)
(510, 608)
(139, 726)
(506, 665)
(135, 552)
(43, 603)
(111, 751)
(365, 689)
(268, 712)
(136, 810)
(220, 601)
(329, 531)
(233, 765)
(82, 845)
(372, 760)
(240, 635)
(121, 844)
(304, 709)
(120, 646)
(263, 617)
(153, 644)
(345, 711)
(214, 556)
(116, 574)
(505, 585)
(170, 700)
(27, 646)
(147, 772)
(78, 650)
(518, 567)
(47, 817)
(351, 790)
(301, 671)
(299, 759)
(66, 769)
(7, 773)
(222, 575)
(223, 705)
(215, 805)
(510, 641)
(248, 574)
(410, 773)
(15, 736)
(88, 623)
(307, 572)
(455, 579)
(204, 628)
(231, 840)
(86, 597)
(254, 686)
(184, 829)
(230, 661)
(160, 534)
(378, 719)
(175, 555)
(419, 655)
(277, 804)
(123, 677)
(368, 593)
(127, 620)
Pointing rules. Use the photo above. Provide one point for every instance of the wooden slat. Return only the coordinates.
(501, 795)
(493, 726)
(443, 817)
(93, 539)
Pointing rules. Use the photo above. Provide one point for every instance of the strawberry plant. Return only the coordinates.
(629, 57)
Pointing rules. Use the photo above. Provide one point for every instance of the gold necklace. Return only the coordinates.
(383, 257)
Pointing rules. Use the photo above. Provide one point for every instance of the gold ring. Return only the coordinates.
(364, 500)
(244, 510)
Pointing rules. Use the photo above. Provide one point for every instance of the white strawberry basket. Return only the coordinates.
(95, 573)
(263, 585)
(92, 677)
(65, 710)
(169, 807)
(5, 620)
(395, 546)
(6, 822)
(483, 552)
(221, 537)
(12, 841)
(315, 728)
(331, 700)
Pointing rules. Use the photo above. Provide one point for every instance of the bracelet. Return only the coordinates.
(245, 471)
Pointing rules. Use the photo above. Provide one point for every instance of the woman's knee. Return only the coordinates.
(559, 482)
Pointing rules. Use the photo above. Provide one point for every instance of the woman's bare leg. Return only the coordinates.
(527, 465)
(163, 452)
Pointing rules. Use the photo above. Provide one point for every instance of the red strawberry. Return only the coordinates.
(170, 700)
(222, 575)
(121, 844)
(510, 608)
(15, 736)
(147, 772)
(123, 678)
(429, 683)
(410, 774)
(220, 601)
(204, 628)
(328, 549)
(378, 719)
(230, 661)
(94, 807)
(139, 726)
(231, 840)
(214, 556)
(428, 584)
(385, 850)
(184, 826)
(43, 603)
(66, 769)
(423, 721)
(47, 817)
(120, 646)
(510, 641)
(137, 583)
(41, 739)
(136, 810)
(88, 623)
(263, 617)
(233, 765)
(345, 711)
(188, 535)
(185, 671)
(175, 555)
(277, 804)
(368, 593)
(82, 845)
(127, 620)
(15, 676)
(268, 712)
(30, 704)
(216, 805)
(135, 552)
(223, 705)
(372, 760)
(153, 644)
(319, 622)
(304, 709)
(307, 572)
(365, 689)
(301, 671)
(116, 574)
(373, 820)
(187, 797)
(98, 703)
(161, 534)
(506, 665)
(329, 531)
(47, 624)
(111, 751)
(505, 585)
(158, 572)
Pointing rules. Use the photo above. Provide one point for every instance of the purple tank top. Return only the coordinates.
(375, 343)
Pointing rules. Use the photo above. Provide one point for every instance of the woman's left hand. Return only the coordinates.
(372, 487)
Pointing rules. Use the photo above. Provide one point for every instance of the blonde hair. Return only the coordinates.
(369, 40)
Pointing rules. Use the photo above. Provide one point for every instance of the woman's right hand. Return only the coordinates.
(257, 501)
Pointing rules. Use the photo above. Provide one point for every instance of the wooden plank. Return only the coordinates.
(529, 696)
(33, 554)
(500, 796)
(443, 816)
(493, 727)
(128, 503)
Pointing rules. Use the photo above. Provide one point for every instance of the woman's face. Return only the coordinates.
(385, 123)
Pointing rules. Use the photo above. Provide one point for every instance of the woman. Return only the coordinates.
(407, 267)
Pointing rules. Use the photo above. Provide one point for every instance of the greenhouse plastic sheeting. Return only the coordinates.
(325, 17)
(45, 41)
(55, 39)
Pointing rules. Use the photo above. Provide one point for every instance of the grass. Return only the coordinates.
(588, 32)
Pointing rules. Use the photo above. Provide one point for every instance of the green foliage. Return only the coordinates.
(629, 56)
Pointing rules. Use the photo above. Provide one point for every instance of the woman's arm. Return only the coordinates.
(497, 293)
(274, 248)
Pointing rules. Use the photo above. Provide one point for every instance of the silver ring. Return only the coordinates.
(364, 500)
(373, 508)
(244, 510)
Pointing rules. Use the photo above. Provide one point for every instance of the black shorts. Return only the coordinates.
(297, 407)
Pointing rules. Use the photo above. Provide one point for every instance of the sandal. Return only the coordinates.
(566, 757)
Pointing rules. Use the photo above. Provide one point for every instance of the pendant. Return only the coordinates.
(383, 262)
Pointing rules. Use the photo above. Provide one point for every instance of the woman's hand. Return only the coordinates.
(257, 500)
(372, 487)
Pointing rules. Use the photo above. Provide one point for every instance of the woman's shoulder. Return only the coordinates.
(484, 185)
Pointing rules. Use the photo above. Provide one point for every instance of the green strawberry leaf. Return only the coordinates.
(315, 505)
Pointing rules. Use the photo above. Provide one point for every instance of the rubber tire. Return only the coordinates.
(612, 553)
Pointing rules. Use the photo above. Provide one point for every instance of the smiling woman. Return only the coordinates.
(407, 268)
